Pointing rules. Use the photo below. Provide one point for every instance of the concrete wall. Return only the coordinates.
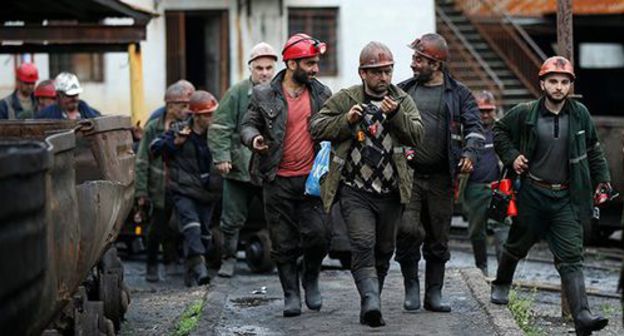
(394, 22)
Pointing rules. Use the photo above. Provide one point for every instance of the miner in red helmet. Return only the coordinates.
(45, 94)
(276, 129)
(21, 104)
(453, 134)
(552, 145)
(368, 126)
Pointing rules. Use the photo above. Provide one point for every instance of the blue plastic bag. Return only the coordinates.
(319, 168)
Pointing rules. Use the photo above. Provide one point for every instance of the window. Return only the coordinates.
(320, 23)
(88, 67)
(601, 55)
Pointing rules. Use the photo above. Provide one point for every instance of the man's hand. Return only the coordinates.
(520, 164)
(224, 167)
(259, 145)
(388, 105)
(355, 114)
(465, 165)
(180, 137)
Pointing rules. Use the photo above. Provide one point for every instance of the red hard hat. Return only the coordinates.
(203, 102)
(557, 64)
(302, 46)
(432, 46)
(45, 89)
(485, 100)
(375, 55)
(27, 73)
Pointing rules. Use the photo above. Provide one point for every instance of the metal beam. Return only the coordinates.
(63, 48)
(139, 114)
(72, 34)
(565, 38)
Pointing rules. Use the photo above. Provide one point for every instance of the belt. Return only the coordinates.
(544, 184)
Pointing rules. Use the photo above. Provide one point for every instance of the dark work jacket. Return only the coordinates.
(465, 132)
(12, 103)
(267, 116)
(487, 169)
(191, 172)
(54, 111)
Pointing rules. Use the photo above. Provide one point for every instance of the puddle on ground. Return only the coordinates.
(251, 301)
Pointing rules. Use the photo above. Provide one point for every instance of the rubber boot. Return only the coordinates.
(500, 237)
(230, 245)
(480, 254)
(311, 270)
(289, 277)
(381, 279)
(504, 276)
(370, 303)
(412, 286)
(196, 272)
(434, 281)
(151, 275)
(574, 289)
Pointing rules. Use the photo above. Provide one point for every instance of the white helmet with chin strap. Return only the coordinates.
(68, 84)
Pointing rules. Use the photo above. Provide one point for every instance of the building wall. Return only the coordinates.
(393, 22)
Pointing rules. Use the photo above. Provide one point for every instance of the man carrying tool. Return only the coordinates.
(368, 126)
(231, 157)
(276, 129)
(552, 144)
(446, 106)
(21, 103)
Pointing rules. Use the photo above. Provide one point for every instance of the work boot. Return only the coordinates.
(500, 237)
(196, 273)
(311, 270)
(228, 263)
(574, 289)
(412, 286)
(370, 304)
(289, 277)
(151, 275)
(434, 280)
(480, 254)
(504, 276)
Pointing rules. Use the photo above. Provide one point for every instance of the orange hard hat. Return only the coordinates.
(46, 89)
(27, 73)
(203, 102)
(375, 55)
(432, 46)
(302, 46)
(557, 64)
(485, 100)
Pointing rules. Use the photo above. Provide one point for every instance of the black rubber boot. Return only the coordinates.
(504, 276)
(230, 245)
(370, 304)
(311, 270)
(574, 289)
(434, 281)
(289, 277)
(480, 254)
(151, 275)
(412, 286)
(196, 272)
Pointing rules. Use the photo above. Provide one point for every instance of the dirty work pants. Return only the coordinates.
(426, 221)
(547, 214)
(371, 222)
(194, 218)
(476, 202)
(160, 232)
(237, 197)
(296, 222)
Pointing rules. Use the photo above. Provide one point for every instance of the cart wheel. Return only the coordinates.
(257, 252)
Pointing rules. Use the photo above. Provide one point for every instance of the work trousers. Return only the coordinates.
(296, 222)
(547, 214)
(426, 221)
(161, 232)
(237, 198)
(371, 222)
(194, 218)
(476, 201)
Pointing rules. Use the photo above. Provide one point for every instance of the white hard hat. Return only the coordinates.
(68, 84)
(262, 49)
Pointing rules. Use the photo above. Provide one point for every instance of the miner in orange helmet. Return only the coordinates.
(454, 136)
(276, 129)
(193, 183)
(552, 145)
(21, 104)
(45, 94)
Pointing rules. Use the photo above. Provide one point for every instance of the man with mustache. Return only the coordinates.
(276, 129)
(551, 143)
(453, 134)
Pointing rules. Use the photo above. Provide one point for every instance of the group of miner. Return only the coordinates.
(398, 153)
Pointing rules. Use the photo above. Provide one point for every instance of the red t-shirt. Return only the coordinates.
(298, 145)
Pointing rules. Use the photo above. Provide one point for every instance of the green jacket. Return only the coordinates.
(150, 173)
(223, 137)
(516, 134)
(330, 124)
